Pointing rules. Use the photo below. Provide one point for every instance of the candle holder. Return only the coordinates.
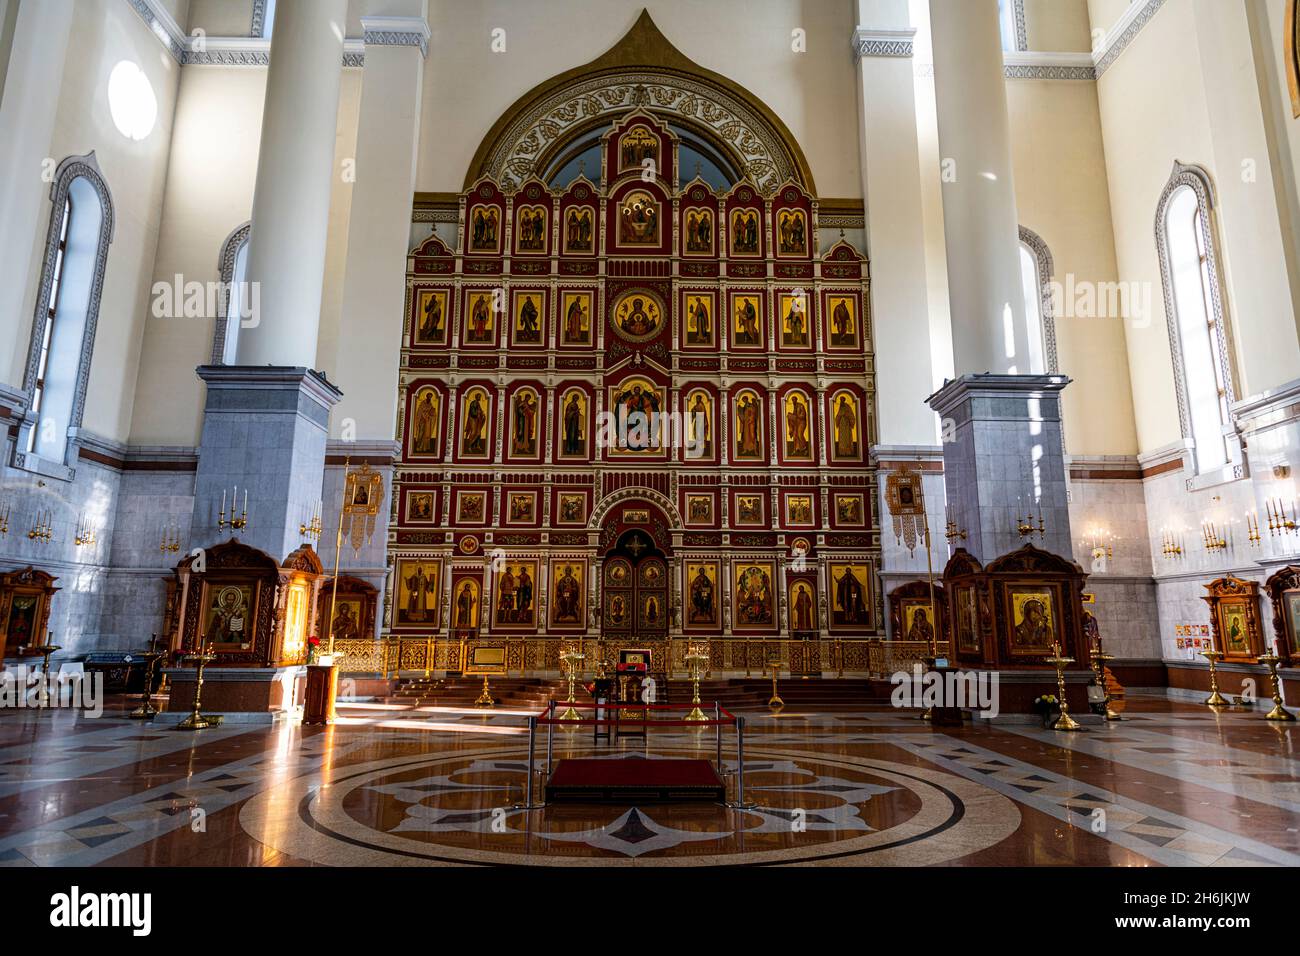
(1025, 525)
(312, 528)
(235, 524)
(1064, 722)
(45, 650)
(197, 720)
(1252, 529)
(171, 541)
(1169, 545)
(1278, 712)
(4, 518)
(695, 660)
(1212, 537)
(572, 659)
(84, 535)
(1099, 659)
(146, 710)
(953, 532)
(1279, 522)
(1215, 699)
(485, 695)
(776, 703)
(43, 528)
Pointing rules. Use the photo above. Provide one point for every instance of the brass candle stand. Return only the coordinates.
(197, 720)
(695, 660)
(1065, 721)
(1278, 712)
(45, 650)
(1215, 699)
(1099, 660)
(572, 659)
(776, 703)
(146, 710)
(485, 695)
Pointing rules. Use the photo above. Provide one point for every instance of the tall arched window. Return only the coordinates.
(1036, 282)
(67, 312)
(233, 266)
(1198, 335)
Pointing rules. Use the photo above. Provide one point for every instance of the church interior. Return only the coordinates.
(650, 433)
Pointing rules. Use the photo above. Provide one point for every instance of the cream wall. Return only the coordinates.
(221, 18)
(1061, 194)
(1165, 99)
(210, 193)
(1104, 14)
(1058, 26)
(468, 87)
(104, 33)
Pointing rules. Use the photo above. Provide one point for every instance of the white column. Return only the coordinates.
(295, 168)
(379, 229)
(979, 202)
(891, 189)
(27, 113)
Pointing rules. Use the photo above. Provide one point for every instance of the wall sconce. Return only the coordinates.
(4, 518)
(1252, 528)
(1025, 526)
(1169, 544)
(171, 540)
(84, 536)
(953, 533)
(312, 527)
(1279, 522)
(43, 529)
(1101, 544)
(235, 524)
(1212, 537)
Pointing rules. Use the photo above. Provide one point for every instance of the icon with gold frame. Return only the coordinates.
(431, 318)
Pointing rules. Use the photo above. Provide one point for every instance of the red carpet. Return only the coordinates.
(624, 780)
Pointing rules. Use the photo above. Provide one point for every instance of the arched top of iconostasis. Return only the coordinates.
(643, 71)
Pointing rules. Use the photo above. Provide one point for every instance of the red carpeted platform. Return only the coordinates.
(633, 780)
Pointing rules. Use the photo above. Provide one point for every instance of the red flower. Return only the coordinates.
(313, 640)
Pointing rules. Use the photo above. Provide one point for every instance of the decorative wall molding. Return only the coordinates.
(258, 26)
(396, 31)
(1046, 272)
(1048, 66)
(1022, 34)
(886, 43)
(226, 269)
(1125, 30)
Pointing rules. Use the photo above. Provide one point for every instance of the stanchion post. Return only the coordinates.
(717, 728)
(532, 740)
(741, 803)
(550, 733)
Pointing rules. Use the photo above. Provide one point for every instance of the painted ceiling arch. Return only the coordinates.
(643, 70)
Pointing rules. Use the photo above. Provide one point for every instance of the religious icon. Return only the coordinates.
(636, 405)
(799, 510)
(744, 232)
(699, 328)
(844, 428)
(849, 510)
(575, 318)
(699, 509)
(419, 506)
(480, 319)
(749, 510)
(22, 620)
(803, 607)
(514, 602)
(849, 587)
(618, 573)
(476, 409)
(753, 595)
(568, 604)
(616, 613)
(636, 516)
(530, 224)
(747, 321)
(637, 316)
(521, 507)
(792, 233)
(918, 619)
(471, 507)
(229, 618)
(697, 228)
(572, 509)
(417, 585)
(573, 424)
(1291, 601)
(967, 630)
(843, 324)
(699, 425)
(1234, 628)
(1033, 628)
(466, 604)
(638, 220)
(431, 317)
(798, 427)
(748, 431)
(702, 594)
(523, 424)
(578, 230)
(529, 318)
(346, 625)
(424, 422)
(794, 325)
(635, 147)
(485, 229)
(652, 612)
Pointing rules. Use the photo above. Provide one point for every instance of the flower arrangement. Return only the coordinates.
(313, 646)
(1047, 706)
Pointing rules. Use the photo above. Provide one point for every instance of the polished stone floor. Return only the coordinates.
(1172, 785)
